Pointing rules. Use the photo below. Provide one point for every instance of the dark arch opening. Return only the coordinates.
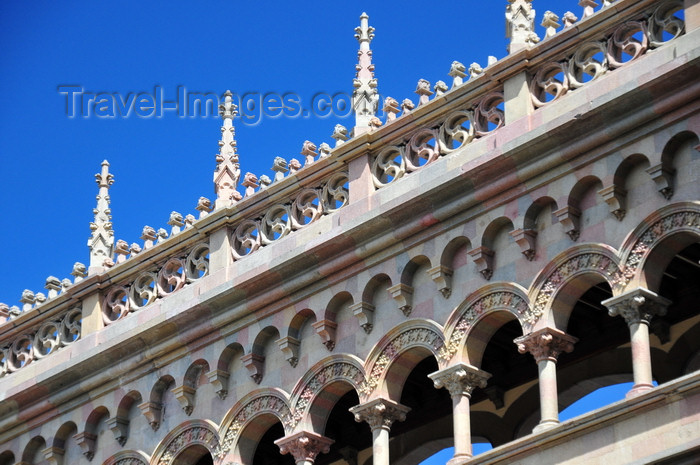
(194, 455)
(350, 437)
(267, 452)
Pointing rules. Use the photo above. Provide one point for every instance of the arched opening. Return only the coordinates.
(267, 452)
(350, 436)
(194, 455)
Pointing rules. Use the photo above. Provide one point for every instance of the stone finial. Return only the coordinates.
(27, 300)
(250, 182)
(176, 222)
(423, 91)
(189, 220)
(65, 284)
(121, 250)
(475, 70)
(15, 312)
(4, 310)
(264, 181)
(308, 150)
(148, 235)
(324, 150)
(134, 249)
(162, 235)
(204, 207)
(79, 272)
(569, 19)
(375, 122)
(607, 3)
(440, 88)
(39, 298)
(365, 98)
(340, 134)
(391, 108)
(228, 169)
(457, 73)
(53, 286)
(101, 242)
(589, 7)
(550, 21)
(407, 106)
(294, 166)
(520, 25)
(279, 166)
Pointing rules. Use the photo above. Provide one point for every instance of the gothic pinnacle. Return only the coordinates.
(365, 97)
(101, 242)
(228, 169)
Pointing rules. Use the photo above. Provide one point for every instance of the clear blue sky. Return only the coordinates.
(47, 160)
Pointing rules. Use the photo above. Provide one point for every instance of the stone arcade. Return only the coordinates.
(471, 263)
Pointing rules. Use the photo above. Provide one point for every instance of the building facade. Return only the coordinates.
(455, 272)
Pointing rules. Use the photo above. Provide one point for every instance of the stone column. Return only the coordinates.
(304, 446)
(637, 307)
(545, 345)
(380, 414)
(460, 380)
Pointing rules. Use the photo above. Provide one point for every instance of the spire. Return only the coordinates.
(365, 98)
(228, 169)
(520, 25)
(101, 242)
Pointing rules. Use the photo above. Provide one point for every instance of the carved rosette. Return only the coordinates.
(546, 344)
(637, 306)
(380, 413)
(460, 380)
(304, 445)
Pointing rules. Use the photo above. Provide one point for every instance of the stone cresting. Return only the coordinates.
(426, 337)
(148, 286)
(41, 341)
(427, 144)
(594, 58)
(281, 219)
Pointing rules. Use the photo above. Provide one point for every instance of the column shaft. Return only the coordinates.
(641, 358)
(462, 426)
(549, 404)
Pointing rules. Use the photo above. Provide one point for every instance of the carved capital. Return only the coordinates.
(153, 411)
(460, 379)
(442, 276)
(185, 396)
(219, 379)
(326, 329)
(304, 446)
(403, 295)
(483, 257)
(526, 240)
(120, 428)
(290, 348)
(255, 364)
(380, 413)
(86, 441)
(637, 306)
(365, 313)
(545, 344)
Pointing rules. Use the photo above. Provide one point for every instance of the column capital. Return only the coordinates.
(304, 446)
(545, 343)
(460, 379)
(380, 413)
(639, 305)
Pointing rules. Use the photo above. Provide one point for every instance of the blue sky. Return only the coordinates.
(161, 164)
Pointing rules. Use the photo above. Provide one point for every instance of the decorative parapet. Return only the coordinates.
(597, 55)
(157, 282)
(280, 219)
(43, 338)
